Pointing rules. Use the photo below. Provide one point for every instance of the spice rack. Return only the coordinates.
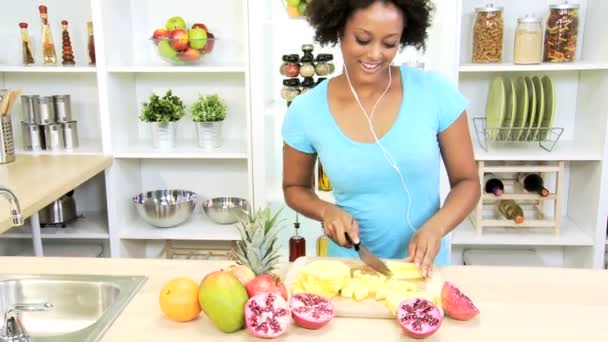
(486, 216)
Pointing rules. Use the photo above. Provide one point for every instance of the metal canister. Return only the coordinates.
(27, 108)
(53, 134)
(70, 134)
(7, 146)
(63, 108)
(44, 110)
(33, 136)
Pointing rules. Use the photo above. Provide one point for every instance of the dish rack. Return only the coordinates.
(546, 137)
(486, 215)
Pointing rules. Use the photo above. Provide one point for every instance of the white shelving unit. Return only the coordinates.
(243, 69)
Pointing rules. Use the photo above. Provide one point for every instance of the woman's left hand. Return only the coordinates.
(424, 247)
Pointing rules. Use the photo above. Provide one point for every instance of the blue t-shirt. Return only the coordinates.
(364, 183)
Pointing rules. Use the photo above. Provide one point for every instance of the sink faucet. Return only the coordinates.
(15, 212)
(13, 330)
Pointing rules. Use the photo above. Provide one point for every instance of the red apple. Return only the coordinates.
(160, 34)
(210, 42)
(179, 39)
(190, 55)
(200, 25)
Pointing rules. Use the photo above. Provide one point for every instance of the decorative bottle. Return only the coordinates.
(66, 45)
(297, 243)
(28, 56)
(48, 46)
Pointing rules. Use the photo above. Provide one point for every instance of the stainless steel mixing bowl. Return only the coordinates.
(165, 208)
(226, 210)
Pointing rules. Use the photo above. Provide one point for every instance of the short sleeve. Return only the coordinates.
(294, 129)
(450, 101)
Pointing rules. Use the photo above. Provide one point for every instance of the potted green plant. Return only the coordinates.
(208, 113)
(163, 113)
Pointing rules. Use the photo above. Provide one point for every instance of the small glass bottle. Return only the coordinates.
(48, 46)
(322, 68)
(332, 66)
(283, 65)
(67, 53)
(307, 69)
(323, 180)
(91, 43)
(528, 48)
(292, 69)
(291, 89)
(488, 34)
(297, 243)
(28, 56)
(322, 245)
(307, 49)
(307, 84)
(511, 210)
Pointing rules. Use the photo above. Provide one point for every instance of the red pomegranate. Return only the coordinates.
(418, 317)
(311, 311)
(266, 283)
(456, 304)
(267, 315)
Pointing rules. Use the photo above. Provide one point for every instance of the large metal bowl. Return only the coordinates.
(226, 210)
(165, 208)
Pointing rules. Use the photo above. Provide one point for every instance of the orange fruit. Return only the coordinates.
(179, 300)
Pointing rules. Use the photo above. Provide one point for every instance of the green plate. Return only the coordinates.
(540, 107)
(521, 114)
(495, 106)
(549, 116)
(511, 109)
(531, 109)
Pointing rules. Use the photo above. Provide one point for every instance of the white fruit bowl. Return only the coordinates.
(180, 52)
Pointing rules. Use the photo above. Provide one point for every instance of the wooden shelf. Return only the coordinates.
(199, 227)
(184, 150)
(91, 226)
(510, 67)
(43, 69)
(570, 235)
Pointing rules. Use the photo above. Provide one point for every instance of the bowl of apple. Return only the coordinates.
(180, 45)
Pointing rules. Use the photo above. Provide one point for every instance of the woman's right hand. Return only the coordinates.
(337, 222)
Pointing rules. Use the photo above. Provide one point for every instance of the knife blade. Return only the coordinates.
(369, 258)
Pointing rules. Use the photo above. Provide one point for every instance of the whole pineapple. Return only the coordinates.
(259, 245)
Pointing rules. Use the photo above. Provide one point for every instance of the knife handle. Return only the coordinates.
(356, 245)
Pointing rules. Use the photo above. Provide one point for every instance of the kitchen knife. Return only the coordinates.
(369, 258)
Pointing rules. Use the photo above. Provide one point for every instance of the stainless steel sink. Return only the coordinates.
(82, 306)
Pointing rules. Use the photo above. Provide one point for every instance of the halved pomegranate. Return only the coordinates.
(419, 318)
(311, 311)
(267, 315)
(456, 304)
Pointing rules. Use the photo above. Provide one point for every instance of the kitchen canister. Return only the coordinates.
(70, 134)
(7, 144)
(44, 110)
(63, 108)
(27, 108)
(53, 135)
(33, 136)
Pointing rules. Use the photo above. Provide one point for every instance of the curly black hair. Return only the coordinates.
(328, 17)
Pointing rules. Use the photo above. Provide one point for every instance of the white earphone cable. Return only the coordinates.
(387, 156)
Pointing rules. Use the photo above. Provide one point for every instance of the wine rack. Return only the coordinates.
(486, 214)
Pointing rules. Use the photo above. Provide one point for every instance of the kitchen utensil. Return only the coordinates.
(27, 108)
(12, 99)
(70, 134)
(33, 136)
(59, 212)
(369, 258)
(165, 208)
(4, 103)
(226, 210)
(53, 135)
(44, 110)
(7, 145)
(366, 308)
(63, 108)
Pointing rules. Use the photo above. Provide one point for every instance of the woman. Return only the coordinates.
(380, 132)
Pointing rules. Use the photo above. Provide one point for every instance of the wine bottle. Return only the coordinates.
(533, 182)
(494, 185)
(511, 210)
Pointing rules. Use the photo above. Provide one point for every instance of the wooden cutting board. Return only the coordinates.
(347, 307)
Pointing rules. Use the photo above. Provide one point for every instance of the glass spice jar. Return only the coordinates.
(283, 65)
(330, 59)
(292, 69)
(307, 69)
(488, 34)
(322, 67)
(291, 89)
(561, 33)
(308, 49)
(307, 84)
(528, 41)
